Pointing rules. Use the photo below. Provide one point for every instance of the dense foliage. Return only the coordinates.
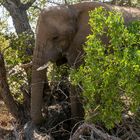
(17, 52)
(110, 75)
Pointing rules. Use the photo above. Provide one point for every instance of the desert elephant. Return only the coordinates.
(60, 34)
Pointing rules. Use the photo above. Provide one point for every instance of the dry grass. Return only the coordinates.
(6, 119)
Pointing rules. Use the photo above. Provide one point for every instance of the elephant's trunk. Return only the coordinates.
(38, 80)
(38, 77)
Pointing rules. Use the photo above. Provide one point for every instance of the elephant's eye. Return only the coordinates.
(55, 38)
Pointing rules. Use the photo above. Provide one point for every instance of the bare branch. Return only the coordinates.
(49, 1)
(91, 129)
(17, 3)
(5, 91)
(27, 5)
(26, 66)
(36, 7)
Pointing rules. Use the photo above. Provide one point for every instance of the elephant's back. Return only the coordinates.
(87, 6)
(129, 13)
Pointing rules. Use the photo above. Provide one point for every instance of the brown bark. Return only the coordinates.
(18, 12)
(5, 91)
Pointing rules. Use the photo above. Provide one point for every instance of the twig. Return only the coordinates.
(16, 134)
(36, 7)
(84, 128)
(53, 2)
(59, 89)
(26, 66)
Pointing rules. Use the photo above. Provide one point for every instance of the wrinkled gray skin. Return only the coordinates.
(61, 32)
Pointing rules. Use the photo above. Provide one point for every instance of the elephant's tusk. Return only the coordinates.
(42, 67)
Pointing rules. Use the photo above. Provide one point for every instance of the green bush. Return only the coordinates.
(110, 75)
(15, 53)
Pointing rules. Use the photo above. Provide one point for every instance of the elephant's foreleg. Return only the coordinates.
(37, 95)
(77, 110)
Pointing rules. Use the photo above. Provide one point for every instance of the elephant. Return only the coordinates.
(60, 34)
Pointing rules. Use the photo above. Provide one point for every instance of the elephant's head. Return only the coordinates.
(55, 31)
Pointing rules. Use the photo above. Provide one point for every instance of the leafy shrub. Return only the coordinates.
(20, 48)
(15, 50)
(56, 74)
(3, 43)
(110, 75)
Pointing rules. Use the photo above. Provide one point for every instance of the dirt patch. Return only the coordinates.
(6, 120)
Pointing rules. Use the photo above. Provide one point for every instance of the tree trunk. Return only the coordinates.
(18, 12)
(19, 16)
(5, 92)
